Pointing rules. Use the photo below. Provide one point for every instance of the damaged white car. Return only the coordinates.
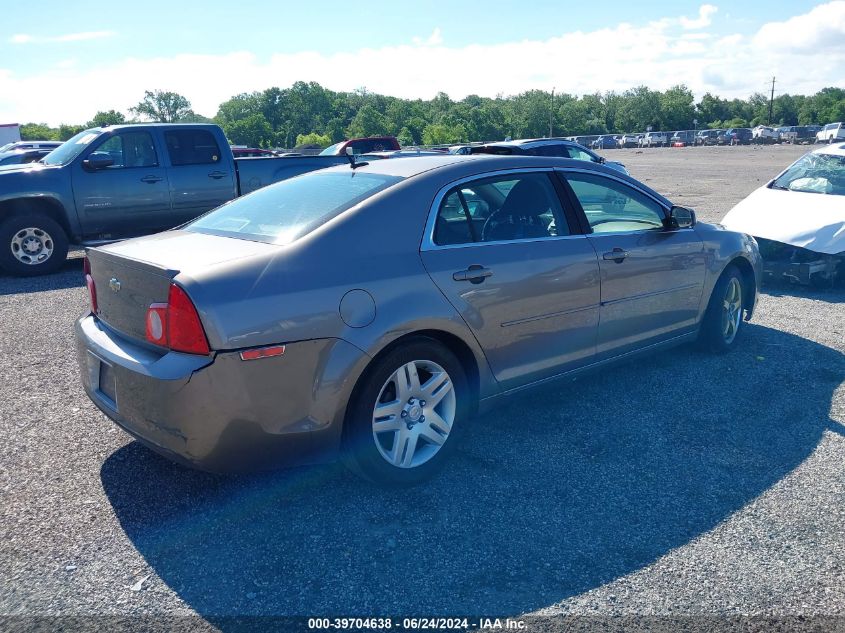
(798, 218)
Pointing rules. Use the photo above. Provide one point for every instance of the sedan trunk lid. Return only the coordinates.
(130, 276)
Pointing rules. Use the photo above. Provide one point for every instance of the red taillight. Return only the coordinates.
(176, 324)
(89, 282)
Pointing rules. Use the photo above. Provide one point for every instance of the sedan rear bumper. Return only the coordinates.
(218, 412)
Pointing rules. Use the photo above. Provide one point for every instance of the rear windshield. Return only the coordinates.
(283, 212)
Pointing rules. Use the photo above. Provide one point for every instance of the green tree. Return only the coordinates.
(367, 122)
(405, 137)
(677, 107)
(253, 131)
(38, 132)
(440, 134)
(112, 117)
(312, 138)
(69, 131)
(162, 107)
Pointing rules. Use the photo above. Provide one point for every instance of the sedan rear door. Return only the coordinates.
(501, 250)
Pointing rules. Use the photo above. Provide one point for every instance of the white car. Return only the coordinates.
(652, 139)
(831, 132)
(799, 217)
(764, 133)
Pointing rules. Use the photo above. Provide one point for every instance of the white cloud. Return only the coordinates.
(435, 39)
(705, 11)
(658, 54)
(25, 38)
(822, 28)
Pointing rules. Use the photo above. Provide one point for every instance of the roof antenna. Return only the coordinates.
(350, 155)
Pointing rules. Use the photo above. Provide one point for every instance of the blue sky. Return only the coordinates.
(103, 56)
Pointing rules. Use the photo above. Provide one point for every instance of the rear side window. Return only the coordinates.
(501, 209)
(283, 212)
(192, 147)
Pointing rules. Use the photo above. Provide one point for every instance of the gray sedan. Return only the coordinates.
(371, 312)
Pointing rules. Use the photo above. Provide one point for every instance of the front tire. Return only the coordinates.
(722, 321)
(403, 420)
(32, 245)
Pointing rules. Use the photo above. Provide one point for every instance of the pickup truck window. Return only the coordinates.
(192, 147)
(130, 149)
(71, 148)
(283, 212)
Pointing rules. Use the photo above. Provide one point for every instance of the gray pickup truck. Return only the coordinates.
(111, 183)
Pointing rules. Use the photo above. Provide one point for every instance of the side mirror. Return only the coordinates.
(97, 160)
(602, 160)
(680, 218)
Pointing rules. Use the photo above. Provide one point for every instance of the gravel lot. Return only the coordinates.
(684, 485)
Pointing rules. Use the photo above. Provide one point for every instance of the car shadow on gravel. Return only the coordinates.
(557, 493)
(68, 276)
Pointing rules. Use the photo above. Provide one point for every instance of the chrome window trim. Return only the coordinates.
(428, 235)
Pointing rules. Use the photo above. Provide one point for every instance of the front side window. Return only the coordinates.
(129, 149)
(192, 147)
(503, 208)
(612, 207)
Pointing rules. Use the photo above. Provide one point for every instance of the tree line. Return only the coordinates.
(309, 114)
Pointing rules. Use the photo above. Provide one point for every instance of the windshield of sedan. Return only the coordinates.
(814, 173)
(70, 149)
(284, 212)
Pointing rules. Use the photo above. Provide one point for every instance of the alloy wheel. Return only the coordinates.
(414, 414)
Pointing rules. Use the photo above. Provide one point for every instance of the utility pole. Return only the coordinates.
(771, 101)
(551, 110)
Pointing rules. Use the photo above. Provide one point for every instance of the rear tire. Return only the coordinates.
(32, 245)
(722, 322)
(422, 395)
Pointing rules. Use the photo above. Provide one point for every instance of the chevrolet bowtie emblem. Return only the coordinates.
(114, 284)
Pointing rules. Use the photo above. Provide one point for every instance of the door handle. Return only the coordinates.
(474, 274)
(217, 175)
(617, 254)
(152, 179)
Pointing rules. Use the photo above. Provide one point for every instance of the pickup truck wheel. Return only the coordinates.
(32, 245)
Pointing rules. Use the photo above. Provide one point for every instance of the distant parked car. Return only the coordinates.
(764, 134)
(785, 133)
(605, 141)
(628, 140)
(362, 145)
(831, 132)
(710, 137)
(8, 147)
(22, 156)
(739, 136)
(653, 139)
(687, 137)
(547, 147)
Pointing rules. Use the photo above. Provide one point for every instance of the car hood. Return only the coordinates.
(807, 220)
